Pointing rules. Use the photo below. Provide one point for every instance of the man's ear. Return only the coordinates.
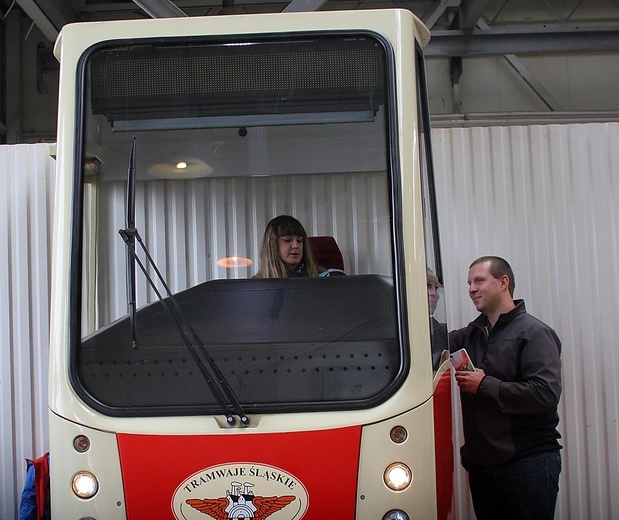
(504, 282)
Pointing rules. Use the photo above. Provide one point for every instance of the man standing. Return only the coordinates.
(509, 403)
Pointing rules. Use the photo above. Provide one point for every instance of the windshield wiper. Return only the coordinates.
(130, 262)
(217, 383)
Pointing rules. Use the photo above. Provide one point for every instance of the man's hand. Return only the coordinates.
(469, 381)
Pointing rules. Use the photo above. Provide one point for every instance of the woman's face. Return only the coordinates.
(291, 250)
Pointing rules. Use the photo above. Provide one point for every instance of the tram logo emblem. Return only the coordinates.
(240, 504)
(226, 492)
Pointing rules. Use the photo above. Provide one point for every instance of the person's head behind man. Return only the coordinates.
(491, 286)
(433, 286)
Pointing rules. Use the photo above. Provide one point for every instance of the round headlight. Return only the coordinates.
(398, 476)
(84, 484)
(396, 514)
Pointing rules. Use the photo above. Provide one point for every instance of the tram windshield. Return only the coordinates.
(190, 147)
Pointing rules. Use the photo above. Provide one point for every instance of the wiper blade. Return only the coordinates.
(215, 380)
(130, 262)
(212, 375)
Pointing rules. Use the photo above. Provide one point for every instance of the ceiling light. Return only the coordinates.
(181, 168)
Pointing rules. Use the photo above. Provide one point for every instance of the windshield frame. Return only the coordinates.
(393, 176)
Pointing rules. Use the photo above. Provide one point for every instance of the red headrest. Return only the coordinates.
(326, 253)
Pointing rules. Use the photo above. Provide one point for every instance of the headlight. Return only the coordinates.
(396, 514)
(84, 484)
(398, 476)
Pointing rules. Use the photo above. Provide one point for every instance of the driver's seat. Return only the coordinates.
(326, 252)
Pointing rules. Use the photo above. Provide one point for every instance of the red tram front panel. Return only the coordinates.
(310, 475)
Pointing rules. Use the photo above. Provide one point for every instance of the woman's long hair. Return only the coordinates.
(271, 265)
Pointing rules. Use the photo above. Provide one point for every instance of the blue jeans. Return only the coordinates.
(524, 489)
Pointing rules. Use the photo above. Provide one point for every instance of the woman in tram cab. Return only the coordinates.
(286, 252)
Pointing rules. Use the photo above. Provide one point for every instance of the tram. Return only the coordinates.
(181, 385)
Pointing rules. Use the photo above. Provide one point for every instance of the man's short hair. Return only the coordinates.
(499, 267)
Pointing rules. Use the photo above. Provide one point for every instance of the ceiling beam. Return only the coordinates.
(437, 10)
(547, 98)
(160, 8)
(531, 41)
(470, 12)
(529, 78)
(13, 84)
(302, 6)
(49, 15)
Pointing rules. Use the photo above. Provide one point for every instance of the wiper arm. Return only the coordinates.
(217, 383)
(130, 261)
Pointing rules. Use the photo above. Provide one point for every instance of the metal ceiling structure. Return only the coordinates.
(460, 29)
